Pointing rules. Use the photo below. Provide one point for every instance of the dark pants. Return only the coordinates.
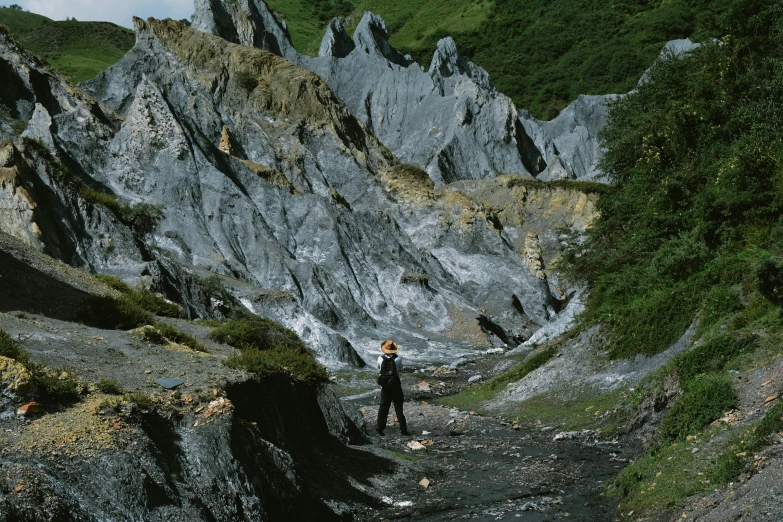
(389, 395)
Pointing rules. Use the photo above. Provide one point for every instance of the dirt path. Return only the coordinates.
(482, 468)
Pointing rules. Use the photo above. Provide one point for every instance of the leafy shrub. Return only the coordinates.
(151, 335)
(698, 166)
(707, 397)
(174, 335)
(144, 299)
(118, 314)
(300, 365)
(139, 402)
(55, 385)
(769, 275)
(109, 386)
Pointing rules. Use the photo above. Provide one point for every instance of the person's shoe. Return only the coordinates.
(379, 432)
(406, 433)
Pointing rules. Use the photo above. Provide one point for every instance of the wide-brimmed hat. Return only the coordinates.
(389, 347)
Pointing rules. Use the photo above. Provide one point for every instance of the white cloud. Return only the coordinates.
(118, 11)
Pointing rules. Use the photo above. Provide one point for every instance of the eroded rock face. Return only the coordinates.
(263, 175)
(449, 120)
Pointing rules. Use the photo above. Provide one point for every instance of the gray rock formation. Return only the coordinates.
(450, 120)
(246, 22)
(261, 175)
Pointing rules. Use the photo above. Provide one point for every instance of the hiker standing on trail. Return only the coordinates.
(389, 366)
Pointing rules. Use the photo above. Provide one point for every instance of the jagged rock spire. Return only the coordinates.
(246, 22)
(336, 42)
(447, 63)
(372, 37)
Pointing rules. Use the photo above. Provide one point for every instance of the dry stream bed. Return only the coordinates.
(459, 465)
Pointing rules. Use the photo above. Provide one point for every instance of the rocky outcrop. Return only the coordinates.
(225, 447)
(246, 22)
(17, 205)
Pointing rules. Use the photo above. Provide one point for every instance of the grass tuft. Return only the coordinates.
(109, 386)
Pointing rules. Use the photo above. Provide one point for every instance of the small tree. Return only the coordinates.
(16, 6)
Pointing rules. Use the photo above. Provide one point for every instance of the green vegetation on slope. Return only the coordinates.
(474, 397)
(695, 222)
(21, 21)
(79, 50)
(307, 19)
(544, 53)
(541, 53)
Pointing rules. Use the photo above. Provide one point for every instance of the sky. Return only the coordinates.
(121, 12)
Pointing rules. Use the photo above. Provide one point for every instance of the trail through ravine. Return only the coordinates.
(459, 465)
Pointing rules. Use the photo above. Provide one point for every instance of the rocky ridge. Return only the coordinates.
(450, 119)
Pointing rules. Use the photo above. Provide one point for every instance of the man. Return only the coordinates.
(389, 366)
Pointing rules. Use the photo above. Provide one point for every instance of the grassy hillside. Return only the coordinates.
(541, 53)
(21, 21)
(79, 50)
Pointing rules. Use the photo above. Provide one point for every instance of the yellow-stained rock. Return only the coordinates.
(14, 377)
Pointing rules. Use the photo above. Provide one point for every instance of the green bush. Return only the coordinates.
(143, 299)
(117, 314)
(707, 397)
(174, 335)
(53, 385)
(109, 386)
(139, 402)
(151, 335)
(712, 355)
(300, 365)
(769, 275)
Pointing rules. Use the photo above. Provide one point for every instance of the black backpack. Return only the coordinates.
(388, 374)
